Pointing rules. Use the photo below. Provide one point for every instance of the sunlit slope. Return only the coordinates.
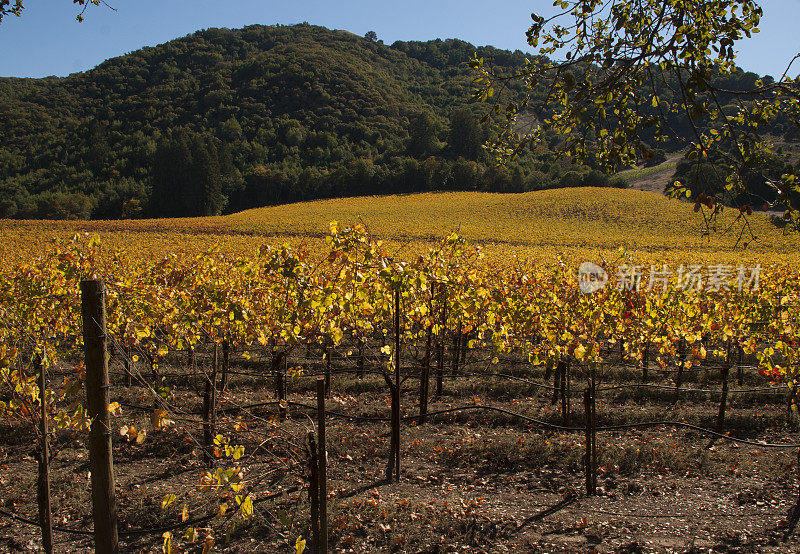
(598, 217)
(588, 217)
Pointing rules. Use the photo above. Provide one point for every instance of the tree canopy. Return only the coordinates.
(279, 114)
(7, 7)
(636, 74)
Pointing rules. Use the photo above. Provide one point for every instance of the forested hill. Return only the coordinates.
(224, 120)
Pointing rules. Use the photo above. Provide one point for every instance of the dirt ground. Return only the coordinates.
(657, 181)
(472, 481)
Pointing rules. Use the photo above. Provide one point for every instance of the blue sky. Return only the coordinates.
(47, 40)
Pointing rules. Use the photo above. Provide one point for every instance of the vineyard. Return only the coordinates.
(468, 404)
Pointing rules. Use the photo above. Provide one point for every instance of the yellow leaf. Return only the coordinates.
(246, 505)
(168, 499)
(184, 513)
(238, 452)
(167, 547)
(115, 408)
(191, 534)
(159, 420)
(236, 487)
(299, 545)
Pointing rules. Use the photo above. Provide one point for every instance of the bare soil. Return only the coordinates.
(657, 181)
(471, 481)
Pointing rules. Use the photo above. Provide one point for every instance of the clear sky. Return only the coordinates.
(47, 40)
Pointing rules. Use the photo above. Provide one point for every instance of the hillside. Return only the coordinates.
(224, 120)
(570, 223)
(278, 114)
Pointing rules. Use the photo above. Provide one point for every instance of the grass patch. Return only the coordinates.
(636, 174)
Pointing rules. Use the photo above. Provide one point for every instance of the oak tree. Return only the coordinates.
(15, 7)
(635, 74)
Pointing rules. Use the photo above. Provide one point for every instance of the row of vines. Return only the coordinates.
(356, 296)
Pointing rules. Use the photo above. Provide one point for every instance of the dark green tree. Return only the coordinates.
(170, 174)
(466, 136)
(99, 151)
(186, 178)
(423, 140)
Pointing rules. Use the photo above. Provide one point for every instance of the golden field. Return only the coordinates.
(574, 224)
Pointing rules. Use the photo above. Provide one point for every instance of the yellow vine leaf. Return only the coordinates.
(246, 504)
(168, 499)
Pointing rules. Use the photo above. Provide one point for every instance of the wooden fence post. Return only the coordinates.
(440, 342)
(424, 379)
(739, 368)
(557, 382)
(393, 463)
(591, 489)
(645, 361)
(565, 392)
(797, 505)
(679, 376)
(396, 391)
(456, 354)
(104, 506)
(328, 350)
(43, 484)
(322, 471)
(225, 365)
(313, 491)
(214, 371)
(126, 364)
(278, 369)
(594, 430)
(725, 371)
(209, 412)
(360, 360)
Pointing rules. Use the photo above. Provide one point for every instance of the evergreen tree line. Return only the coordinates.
(224, 120)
